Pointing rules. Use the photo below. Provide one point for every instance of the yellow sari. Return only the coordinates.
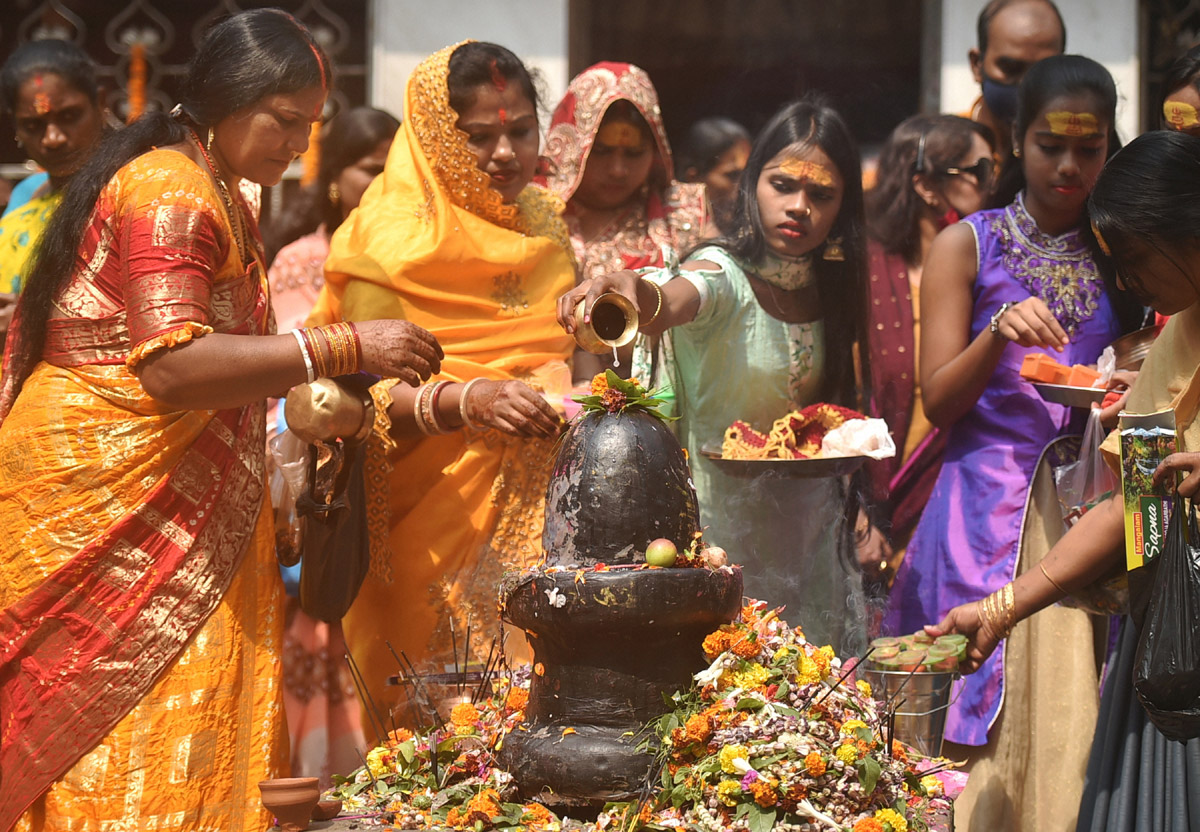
(432, 243)
(140, 602)
(20, 229)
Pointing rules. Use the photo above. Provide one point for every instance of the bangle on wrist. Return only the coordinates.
(417, 416)
(1057, 586)
(462, 404)
(658, 292)
(994, 326)
(308, 365)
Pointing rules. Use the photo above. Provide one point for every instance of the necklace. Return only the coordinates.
(784, 273)
(236, 222)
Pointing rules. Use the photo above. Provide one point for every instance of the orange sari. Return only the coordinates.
(432, 243)
(139, 599)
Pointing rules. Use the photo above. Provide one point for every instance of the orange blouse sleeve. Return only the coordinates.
(175, 241)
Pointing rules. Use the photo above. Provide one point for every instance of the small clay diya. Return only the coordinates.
(291, 800)
(327, 810)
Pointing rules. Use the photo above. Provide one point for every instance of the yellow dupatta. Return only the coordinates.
(432, 243)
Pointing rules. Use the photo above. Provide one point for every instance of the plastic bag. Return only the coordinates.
(859, 437)
(1080, 486)
(1166, 667)
(290, 455)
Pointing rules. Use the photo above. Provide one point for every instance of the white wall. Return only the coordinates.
(1104, 30)
(408, 31)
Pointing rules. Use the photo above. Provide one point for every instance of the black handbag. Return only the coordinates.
(1166, 667)
(335, 548)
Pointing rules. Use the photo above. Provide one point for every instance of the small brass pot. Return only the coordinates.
(614, 324)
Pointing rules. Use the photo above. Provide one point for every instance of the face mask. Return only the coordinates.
(1001, 99)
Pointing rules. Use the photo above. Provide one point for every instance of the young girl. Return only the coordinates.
(761, 323)
(1002, 284)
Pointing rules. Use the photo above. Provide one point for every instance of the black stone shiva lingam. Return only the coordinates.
(609, 646)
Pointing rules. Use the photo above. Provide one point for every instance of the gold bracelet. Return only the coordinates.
(318, 354)
(658, 308)
(1042, 566)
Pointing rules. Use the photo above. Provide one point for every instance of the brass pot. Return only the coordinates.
(1131, 349)
(325, 410)
(614, 324)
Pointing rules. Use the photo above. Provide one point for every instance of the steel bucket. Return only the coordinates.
(922, 699)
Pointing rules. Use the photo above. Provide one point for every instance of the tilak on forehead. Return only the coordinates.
(620, 134)
(1064, 123)
(41, 100)
(807, 170)
(1180, 115)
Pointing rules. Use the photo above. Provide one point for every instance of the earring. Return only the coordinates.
(335, 196)
(1016, 152)
(834, 252)
(208, 144)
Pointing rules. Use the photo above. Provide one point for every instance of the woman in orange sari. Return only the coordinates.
(140, 604)
(454, 238)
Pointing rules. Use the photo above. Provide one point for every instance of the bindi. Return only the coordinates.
(41, 101)
(1077, 125)
(808, 171)
(503, 117)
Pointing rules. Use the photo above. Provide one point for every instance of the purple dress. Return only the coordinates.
(966, 544)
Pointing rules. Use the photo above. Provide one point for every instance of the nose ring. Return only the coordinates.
(808, 210)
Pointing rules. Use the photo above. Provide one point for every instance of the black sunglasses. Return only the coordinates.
(981, 170)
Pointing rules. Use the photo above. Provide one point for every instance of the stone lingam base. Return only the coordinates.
(608, 648)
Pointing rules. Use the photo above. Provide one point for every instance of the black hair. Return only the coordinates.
(841, 286)
(238, 62)
(59, 57)
(1046, 80)
(706, 141)
(1185, 71)
(1149, 193)
(893, 206)
(988, 13)
(346, 138)
(479, 62)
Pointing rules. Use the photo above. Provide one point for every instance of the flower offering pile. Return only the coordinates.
(818, 431)
(775, 734)
(919, 652)
(613, 394)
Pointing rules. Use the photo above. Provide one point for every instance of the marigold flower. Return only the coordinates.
(932, 785)
(400, 735)
(751, 677)
(599, 383)
(793, 794)
(847, 753)
(537, 815)
(823, 658)
(483, 807)
(380, 760)
(456, 818)
(715, 644)
(747, 647)
(728, 792)
(763, 791)
(730, 753)
(898, 751)
(868, 825)
(517, 700)
(852, 725)
(892, 820)
(698, 728)
(864, 687)
(464, 713)
(807, 671)
(814, 765)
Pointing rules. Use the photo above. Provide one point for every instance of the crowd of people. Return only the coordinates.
(152, 665)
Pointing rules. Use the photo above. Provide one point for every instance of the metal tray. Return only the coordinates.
(1070, 396)
(834, 466)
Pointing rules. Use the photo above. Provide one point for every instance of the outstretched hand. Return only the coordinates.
(399, 349)
(623, 283)
(966, 620)
(512, 407)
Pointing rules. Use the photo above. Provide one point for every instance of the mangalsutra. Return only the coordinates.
(236, 221)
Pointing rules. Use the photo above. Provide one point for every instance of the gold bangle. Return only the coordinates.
(318, 354)
(658, 307)
(1042, 566)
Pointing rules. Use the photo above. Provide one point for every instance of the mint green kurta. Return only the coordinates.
(735, 361)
